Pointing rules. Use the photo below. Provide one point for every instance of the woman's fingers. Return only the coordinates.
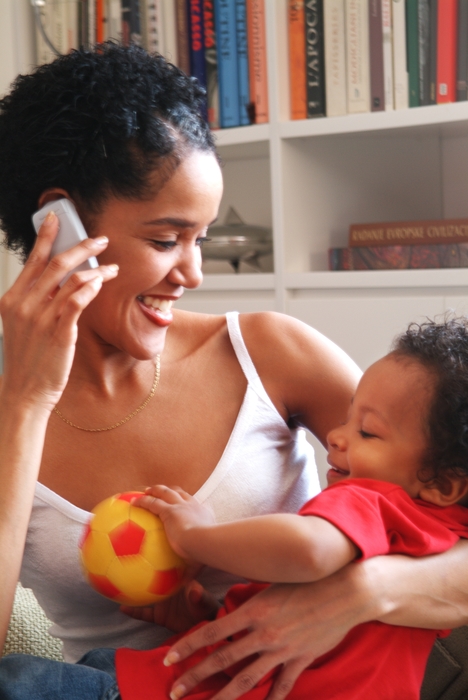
(38, 259)
(62, 264)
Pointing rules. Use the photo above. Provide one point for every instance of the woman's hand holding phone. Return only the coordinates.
(40, 318)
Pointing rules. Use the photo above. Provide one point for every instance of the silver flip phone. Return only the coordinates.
(71, 231)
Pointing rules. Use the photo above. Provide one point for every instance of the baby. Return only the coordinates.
(397, 482)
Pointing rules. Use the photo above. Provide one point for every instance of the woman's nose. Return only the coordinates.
(187, 271)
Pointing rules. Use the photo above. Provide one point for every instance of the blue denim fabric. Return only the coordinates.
(24, 677)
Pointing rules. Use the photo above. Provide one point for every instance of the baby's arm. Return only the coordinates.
(275, 548)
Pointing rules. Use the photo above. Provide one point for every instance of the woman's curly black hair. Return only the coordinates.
(96, 123)
(442, 348)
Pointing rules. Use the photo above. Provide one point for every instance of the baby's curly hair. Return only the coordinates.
(96, 123)
(442, 348)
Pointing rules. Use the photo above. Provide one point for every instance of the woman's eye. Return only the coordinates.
(166, 245)
(200, 241)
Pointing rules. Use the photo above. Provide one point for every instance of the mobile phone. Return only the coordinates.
(71, 231)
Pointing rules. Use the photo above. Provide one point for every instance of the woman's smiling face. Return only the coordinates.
(157, 245)
(385, 435)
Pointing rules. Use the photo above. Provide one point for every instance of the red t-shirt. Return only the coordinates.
(374, 661)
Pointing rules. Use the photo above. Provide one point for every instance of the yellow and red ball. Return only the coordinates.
(126, 556)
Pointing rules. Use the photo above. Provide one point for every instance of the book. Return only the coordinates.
(315, 58)
(400, 68)
(152, 34)
(462, 55)
(412, 51)
(114, 20)
(211, 62)
(446, 51)
(100, 21)
(91, 4)
(196, 41)
(182, 32)
(228, 76)
(376, 56)
(439, 231)
(131, 27)
(403, 257)
(334, 33)
(44, 53)
(357, 56)
(297, 61)
(387, 53)
(83, 22)
(169, 30)
(258, 79)
(242, 62)
(423, 51)
(433, 12)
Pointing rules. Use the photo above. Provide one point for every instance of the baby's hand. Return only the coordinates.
(179, 513)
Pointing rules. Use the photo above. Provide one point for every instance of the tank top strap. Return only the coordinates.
(245, 361)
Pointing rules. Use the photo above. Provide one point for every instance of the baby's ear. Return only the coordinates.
(445, 490)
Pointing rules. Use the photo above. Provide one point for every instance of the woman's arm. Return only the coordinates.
(40, 329)
(292, 625)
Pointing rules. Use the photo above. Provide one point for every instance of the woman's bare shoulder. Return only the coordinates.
(301, 369)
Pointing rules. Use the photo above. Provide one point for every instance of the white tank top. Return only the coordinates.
(266, 467)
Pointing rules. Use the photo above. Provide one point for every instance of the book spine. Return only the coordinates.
(211, 61)
(183, 49)
(446, 51)
(462, 59)
(43, 53)
(376, 56)
(99, 21)
(169, 30)
(152, 26)
(83, 22)
(92, 22)
(412, 51)
(315, 58)
(242, 62)
(196, 40)
(335, 57)
(225, 23)
(297, 61)
(423, 51)
(400, 67)
(256, 43)
(433, 12)
(399, 257)
(357, 56)
(444, 231)
(387, 53)
(58, 34)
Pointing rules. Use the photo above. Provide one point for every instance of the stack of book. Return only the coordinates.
(403, 245)
(220, 42)
(351, 56)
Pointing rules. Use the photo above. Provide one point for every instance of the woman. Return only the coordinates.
(107, 389)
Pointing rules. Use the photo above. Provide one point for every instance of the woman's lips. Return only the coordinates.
(157, 309)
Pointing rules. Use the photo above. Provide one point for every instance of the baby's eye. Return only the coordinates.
(365, 435)
(201, 241)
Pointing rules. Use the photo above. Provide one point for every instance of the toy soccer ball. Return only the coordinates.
(126, 556)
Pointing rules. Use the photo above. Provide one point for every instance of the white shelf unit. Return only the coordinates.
(326, 173)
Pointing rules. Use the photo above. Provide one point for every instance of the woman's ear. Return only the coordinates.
(51, 195)
(445, 490)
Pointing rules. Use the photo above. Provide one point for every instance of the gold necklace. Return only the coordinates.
(157, 374)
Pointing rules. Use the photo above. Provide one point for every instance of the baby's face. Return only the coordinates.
(384, 436)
